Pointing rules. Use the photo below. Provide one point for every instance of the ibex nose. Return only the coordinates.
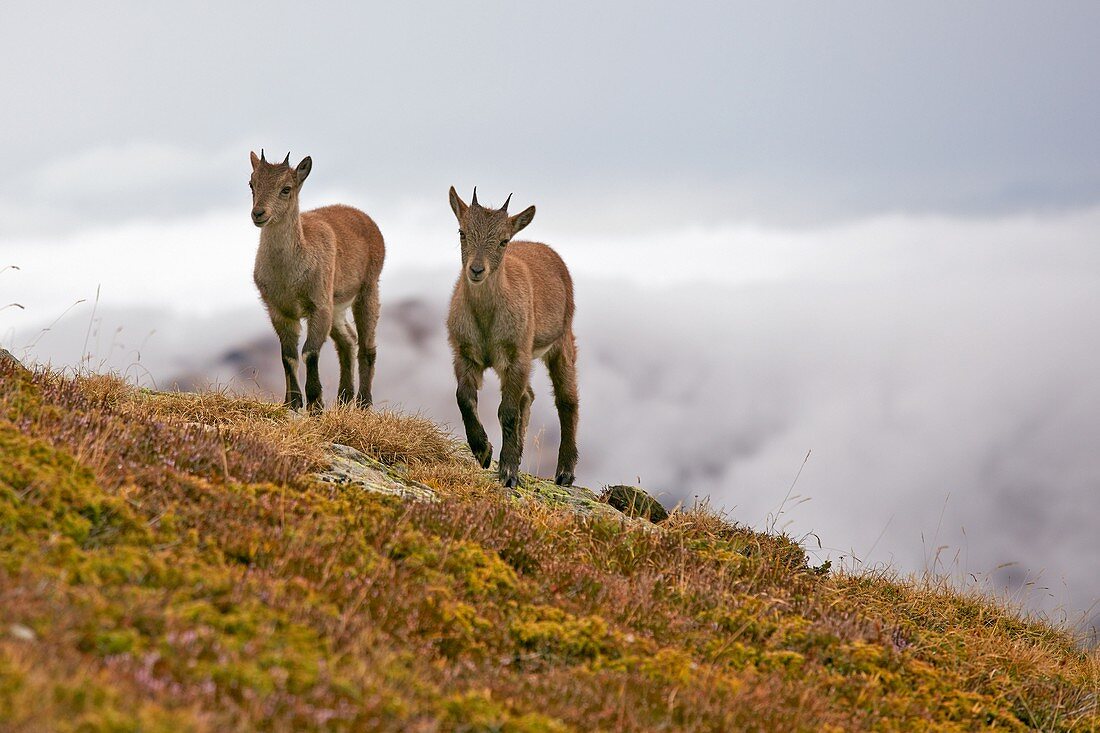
(258, 213)
(477, 270)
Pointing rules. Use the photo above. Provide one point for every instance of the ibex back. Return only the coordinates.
(316, 266)
(513, 303)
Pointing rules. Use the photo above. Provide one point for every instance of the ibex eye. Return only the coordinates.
(286, 190)
(461, 234)
(503, 242)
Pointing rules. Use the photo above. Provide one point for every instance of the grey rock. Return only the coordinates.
(21, 632)
(351, 467)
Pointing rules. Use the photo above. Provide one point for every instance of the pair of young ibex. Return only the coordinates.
(513, 303)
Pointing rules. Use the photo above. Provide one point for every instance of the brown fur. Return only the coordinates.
(512, 303)
(316, 266)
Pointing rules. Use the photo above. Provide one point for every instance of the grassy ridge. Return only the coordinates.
(168, 564)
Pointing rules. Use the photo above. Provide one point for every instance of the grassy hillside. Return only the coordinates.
(172, 563)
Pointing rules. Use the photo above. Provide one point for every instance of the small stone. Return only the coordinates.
(634, 502)
(24, 633)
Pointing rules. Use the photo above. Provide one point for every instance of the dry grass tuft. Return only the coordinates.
(459, 476)
(390, 437)
(700, 520)
(211, 408)
(431, 456)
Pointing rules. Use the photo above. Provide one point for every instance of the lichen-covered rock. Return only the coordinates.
(577, 499)
(635, 502)
(351, 467)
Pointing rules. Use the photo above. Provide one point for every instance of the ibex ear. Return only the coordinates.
(458, 206)
(522, 219)
(255, 160)
(303, 169)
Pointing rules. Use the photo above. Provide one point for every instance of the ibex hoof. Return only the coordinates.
(509, 477)
(564, 478)
(294, 402)
(316, 407)
(484, 456)
(364, 401)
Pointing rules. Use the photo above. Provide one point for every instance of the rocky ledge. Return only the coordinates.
(351, 467)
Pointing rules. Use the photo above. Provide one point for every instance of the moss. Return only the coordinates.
(478, 571)
(33, 700)
(13, 685)
(669, 666)
(96, 708)
(477, 712)
(110, 643)
(551, 632)
(461, 631)
(575, 498)
(785, 660)
(43, 488)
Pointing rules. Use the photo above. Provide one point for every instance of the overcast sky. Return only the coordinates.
(864, 229)
(629, 113)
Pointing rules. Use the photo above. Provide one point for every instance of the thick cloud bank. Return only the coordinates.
(943, 373)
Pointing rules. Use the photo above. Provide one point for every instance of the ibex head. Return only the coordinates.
(275, 187)
(485, 233)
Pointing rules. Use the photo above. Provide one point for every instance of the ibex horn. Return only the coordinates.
(473, 201)
(505, 207)
(262, 158)
(286, 160)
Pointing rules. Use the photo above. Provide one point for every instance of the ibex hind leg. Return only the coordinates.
(561, 362)
(345, 340)
(365, 309)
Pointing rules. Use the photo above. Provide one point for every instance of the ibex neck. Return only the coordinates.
(285, 233)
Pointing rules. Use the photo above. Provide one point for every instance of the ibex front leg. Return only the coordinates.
(288, 331)
(514, 400)
(469, 375)
(320, 323)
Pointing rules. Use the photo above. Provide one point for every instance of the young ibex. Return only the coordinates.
(513, 303)
(315, 266)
